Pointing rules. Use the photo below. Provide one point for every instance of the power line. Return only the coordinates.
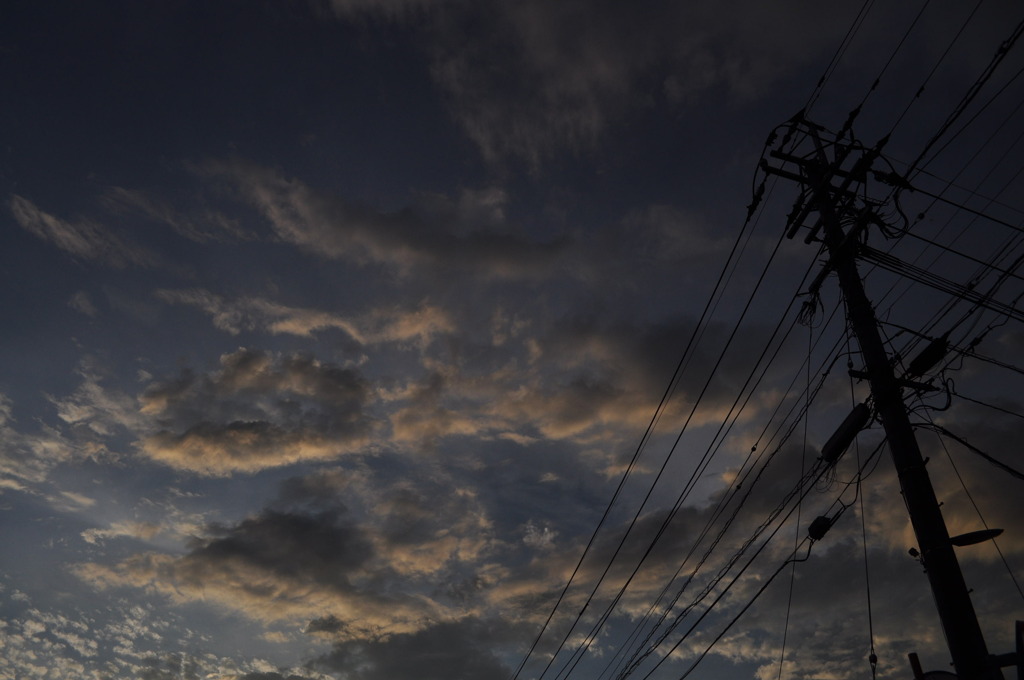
(723, 278)
(806, 488)
(741, 480)
(886, 261)
(702, 465)
(920, 90)
(844, 45)
(974, 449)
(965, 101)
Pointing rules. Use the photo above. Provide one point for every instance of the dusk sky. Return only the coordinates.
(336, 335)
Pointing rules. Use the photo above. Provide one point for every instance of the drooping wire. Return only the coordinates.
(872, 655)
(798, 527)
(917, 165)
(764, 586)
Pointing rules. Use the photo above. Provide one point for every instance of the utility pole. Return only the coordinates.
(827, 191)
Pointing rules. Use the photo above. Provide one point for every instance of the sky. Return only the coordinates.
(388, 339)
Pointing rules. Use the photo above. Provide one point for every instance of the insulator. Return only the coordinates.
(843, 437)
(929, 356)
(819, 527)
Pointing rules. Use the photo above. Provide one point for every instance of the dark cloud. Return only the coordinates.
(461, 650)
(612, 371)
(322, 549)
(259, 410)
(329, 624)
(283, 565)
(381, 571)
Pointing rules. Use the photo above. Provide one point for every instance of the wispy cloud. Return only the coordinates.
(419, 324)
(332, 227)
(26, 458)
(201, 226)
(84, 239)
(81, 302)
(532, 79)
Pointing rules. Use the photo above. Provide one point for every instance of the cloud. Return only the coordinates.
(258, 410)
(282, 565)
(581, 379)
(418, 325)
(413, 554)
(80, 302)
(391, 8)
(122, 639)
(86, 240)
(97, 409)
(332, 227)
(207, 225)
(529, 79)
(26, 459)
(462, 649)
(138, 530)
(88, 418)
(256, 313)
(539, 537)
(664, 232)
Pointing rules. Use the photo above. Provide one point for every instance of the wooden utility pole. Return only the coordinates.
(836, 205)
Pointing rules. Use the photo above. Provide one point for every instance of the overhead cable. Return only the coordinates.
(974, 449)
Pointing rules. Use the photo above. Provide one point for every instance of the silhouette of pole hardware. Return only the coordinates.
(833, 175)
